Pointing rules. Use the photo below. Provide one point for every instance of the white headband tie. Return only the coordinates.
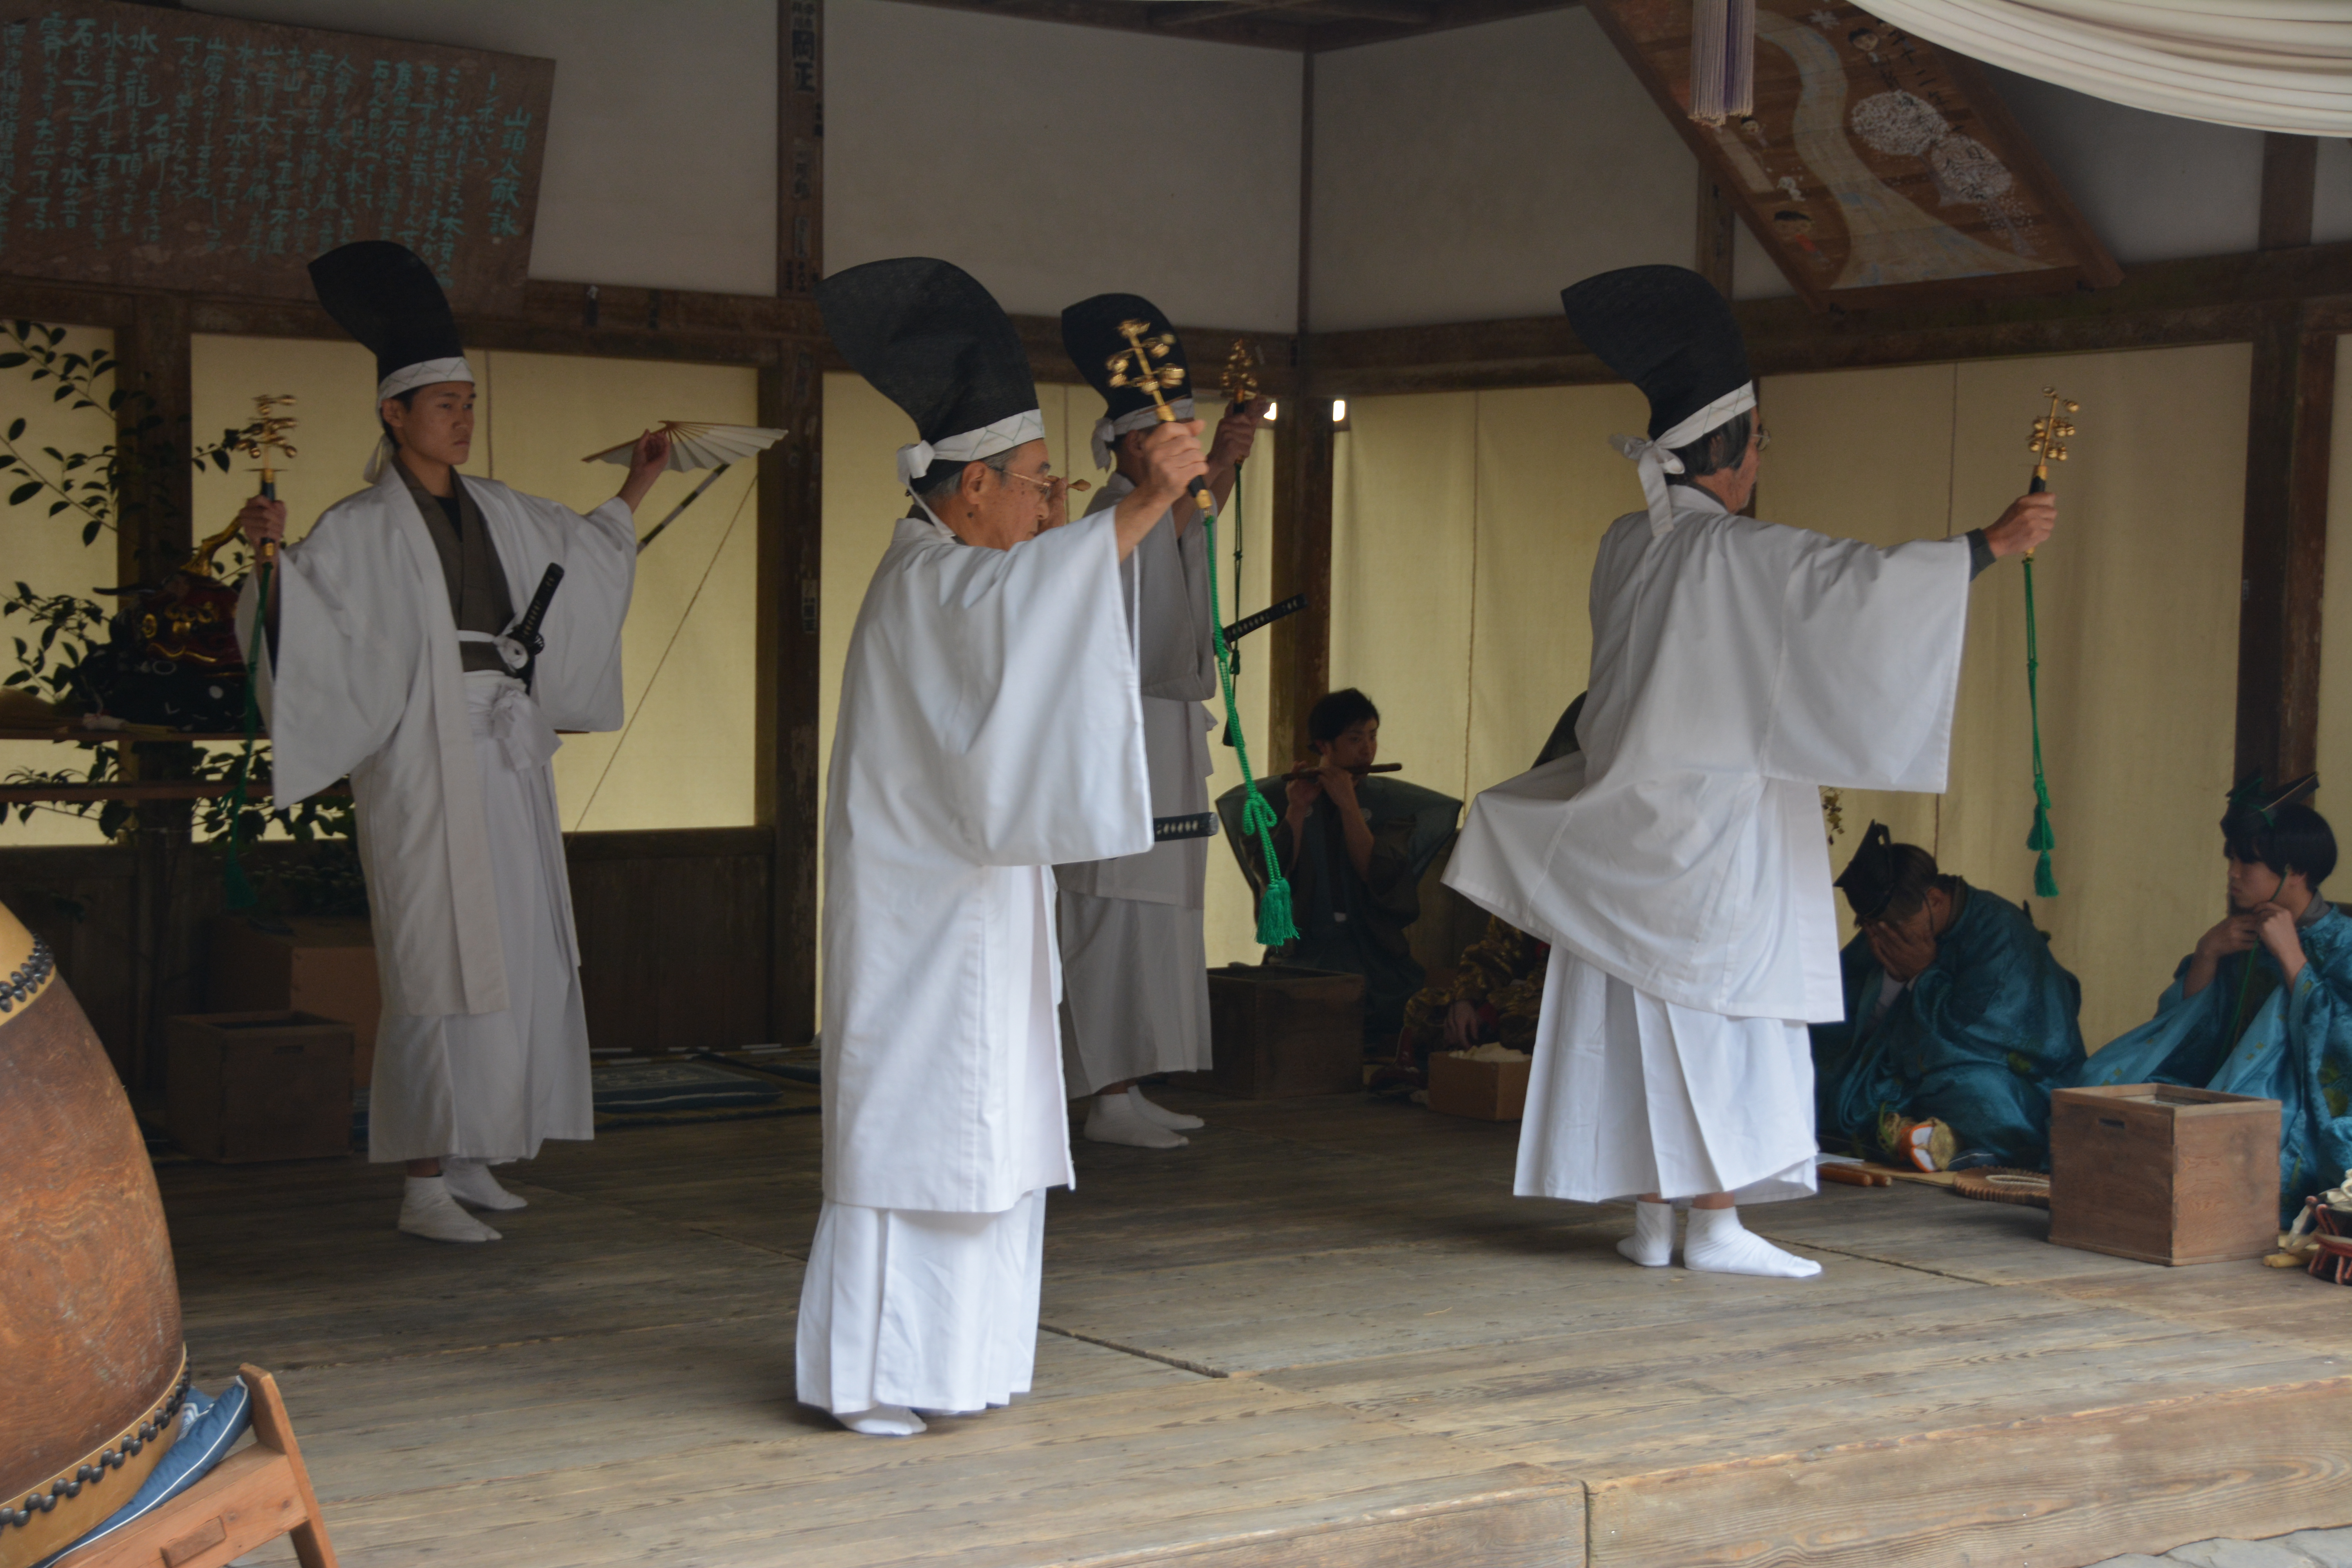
(1013, 430)
(408, 378)
(1107, 432)
(1655, 459)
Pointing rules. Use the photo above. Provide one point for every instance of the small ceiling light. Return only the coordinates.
(1339, 411)
(1270, 408)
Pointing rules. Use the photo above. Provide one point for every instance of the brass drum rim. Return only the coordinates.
(82, 1499)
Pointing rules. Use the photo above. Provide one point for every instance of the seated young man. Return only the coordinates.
(1353, 846)
(2264, 1005)
(1954, 1010)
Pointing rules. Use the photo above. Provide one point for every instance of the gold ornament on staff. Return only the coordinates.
(1240, 378)
(259, 440)
(1138, 365)
(264, 435)
(2048, 441)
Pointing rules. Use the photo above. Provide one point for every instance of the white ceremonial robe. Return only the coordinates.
(482, 1050)
(991, 726)
(1736, 667)
(1135, 963)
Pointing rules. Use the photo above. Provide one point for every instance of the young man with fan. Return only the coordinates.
(399, 634)
(1135, 967)
(990, 728)
(1677, 862)
(2262, 1006)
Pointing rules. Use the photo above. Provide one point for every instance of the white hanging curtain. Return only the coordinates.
(2264, 65)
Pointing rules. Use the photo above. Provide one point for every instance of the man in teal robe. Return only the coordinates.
(2263, 1006)
(1954, 1009)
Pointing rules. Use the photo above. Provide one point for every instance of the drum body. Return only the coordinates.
(90, 1310)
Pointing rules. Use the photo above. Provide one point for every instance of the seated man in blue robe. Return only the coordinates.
(1954, 1011)
(2264, 1005)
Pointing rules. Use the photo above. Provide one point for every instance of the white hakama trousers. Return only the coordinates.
(1135, 990)
(493, 1086)
(934, 1311)
(1629, 1094)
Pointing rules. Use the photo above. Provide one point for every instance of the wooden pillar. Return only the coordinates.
(1715, 217)
(2289, 415)
(2289, 418)
(154, 495)
(790, 514)
(1299, 652)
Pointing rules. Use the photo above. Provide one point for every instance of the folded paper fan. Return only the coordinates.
(693, 445)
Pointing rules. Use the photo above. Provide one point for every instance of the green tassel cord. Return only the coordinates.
(1275, 923)
(2042, 841)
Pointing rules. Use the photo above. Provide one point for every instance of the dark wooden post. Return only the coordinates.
(2290, 409)
(2285, 562)
(791, 527)
(155, 495)
(1715, 217)
(1299, 652)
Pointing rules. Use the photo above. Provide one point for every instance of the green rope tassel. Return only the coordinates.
(1275, 923)
(2041, 840)
(237, 887)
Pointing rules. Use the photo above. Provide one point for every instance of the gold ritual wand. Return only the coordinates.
(262, 437)
(2047, 444)
(1138, 364)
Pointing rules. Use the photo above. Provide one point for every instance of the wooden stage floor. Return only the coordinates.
(1325, 1334)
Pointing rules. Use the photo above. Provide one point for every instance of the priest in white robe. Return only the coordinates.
(1677, 862)
(401, 652)
(990, 726)
(1135, 966)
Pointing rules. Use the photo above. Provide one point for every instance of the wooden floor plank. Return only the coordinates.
(1322, 1335)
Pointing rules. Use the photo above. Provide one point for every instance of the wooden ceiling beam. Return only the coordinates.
(1308, 26)
(2218, 299)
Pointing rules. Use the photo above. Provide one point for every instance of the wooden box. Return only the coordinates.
(2164, 1175)
(1277, 1031)
(274, 1085)
(1490, 1091)
(323, 966)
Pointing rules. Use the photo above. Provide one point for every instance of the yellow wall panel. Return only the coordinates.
(46, 554)
(1547, 487)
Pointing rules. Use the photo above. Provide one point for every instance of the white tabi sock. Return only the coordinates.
(427, 1209)
(1651, 1245)
(1719, 1244)
(1114, 1119)
(1159, 1115)
(884, 1421)
(471, 1184)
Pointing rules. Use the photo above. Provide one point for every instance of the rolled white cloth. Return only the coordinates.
(1107, 432)
(1013, 430)
(1656, 459)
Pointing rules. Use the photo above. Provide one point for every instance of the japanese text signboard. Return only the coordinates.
(174, 150)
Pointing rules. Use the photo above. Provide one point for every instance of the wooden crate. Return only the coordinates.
(1278, 1031)
(325, 967)
(271, 1085)
(1487, 1091)
(2164, 1175)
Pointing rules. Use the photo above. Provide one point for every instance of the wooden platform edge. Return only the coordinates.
(2054, 1491)
(1539, 1525)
